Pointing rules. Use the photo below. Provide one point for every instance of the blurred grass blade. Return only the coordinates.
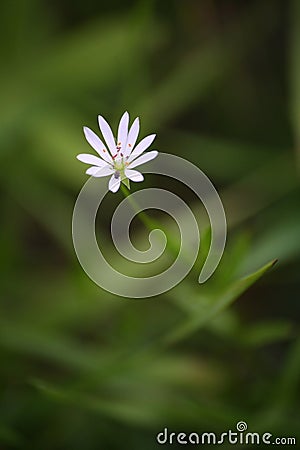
(194, 76)
(288, 383)
(295, 71)
(216, 305)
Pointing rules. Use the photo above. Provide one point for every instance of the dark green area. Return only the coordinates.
(220, 84)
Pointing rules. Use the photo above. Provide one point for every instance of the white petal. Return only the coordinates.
(132, 137)
(100, 171)
(107, 134)
(143, 159)
(123, 131)
(91, 159)
(114, 183)
(97, 144)
(133, 175)
(142, 146)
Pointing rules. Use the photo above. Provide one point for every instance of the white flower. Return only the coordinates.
(117, 157)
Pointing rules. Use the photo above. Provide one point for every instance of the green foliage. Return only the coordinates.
(81, 368)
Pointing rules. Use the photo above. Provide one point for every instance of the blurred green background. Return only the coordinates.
(219, 82)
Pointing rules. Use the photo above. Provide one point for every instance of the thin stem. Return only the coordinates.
(152, 224)
(141, 214)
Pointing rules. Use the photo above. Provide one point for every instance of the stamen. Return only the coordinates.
(117, 174)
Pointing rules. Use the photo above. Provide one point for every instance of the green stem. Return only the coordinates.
(152, 224)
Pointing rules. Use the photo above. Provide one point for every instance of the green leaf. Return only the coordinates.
(215, 305)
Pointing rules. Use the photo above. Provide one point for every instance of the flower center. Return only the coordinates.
(119, 165)
(119, 161)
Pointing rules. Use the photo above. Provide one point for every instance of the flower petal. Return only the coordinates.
(143, 159)
(132, 137)
(107, 134)
(98, 172)
(142, 146)
(133, 175)
(123, 131)
(97, 144)
(91, 159)
(114, 183)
